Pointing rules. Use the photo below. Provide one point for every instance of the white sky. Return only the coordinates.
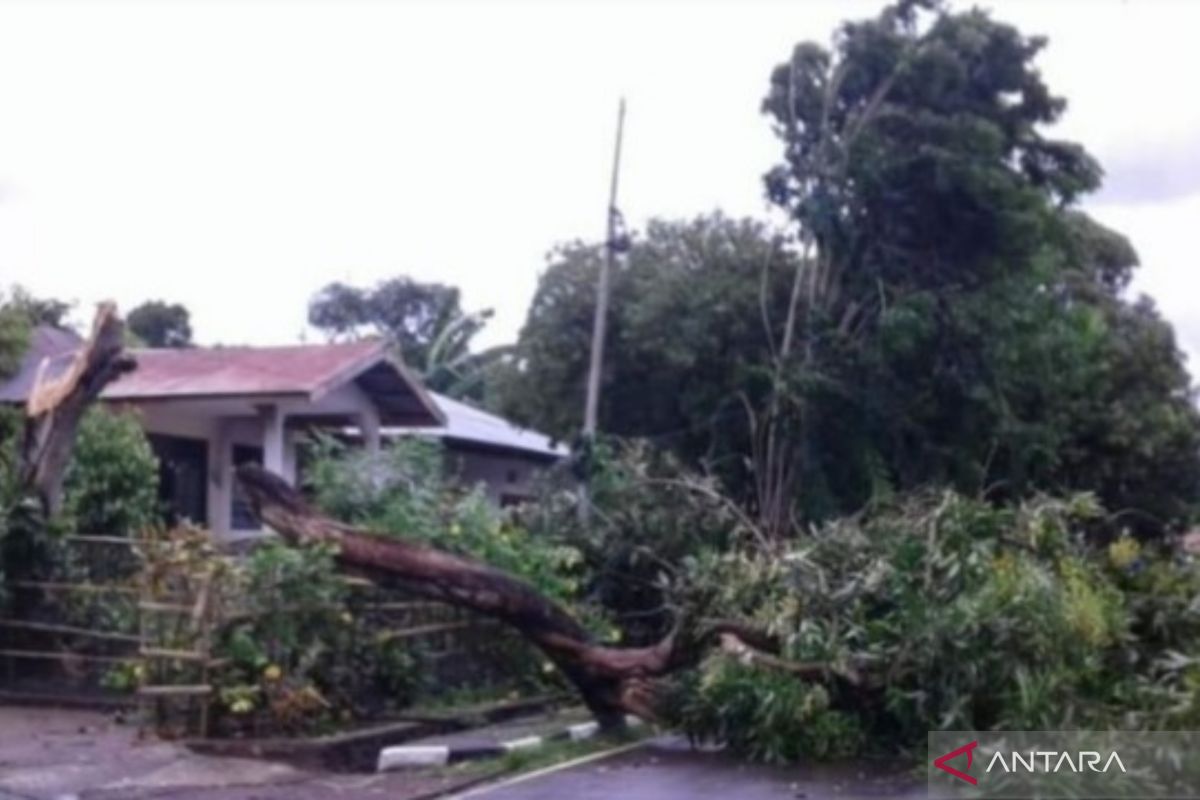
(236, 157)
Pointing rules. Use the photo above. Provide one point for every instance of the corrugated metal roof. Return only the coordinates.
(226, 371)
(45, 342)
(467, 423)
(205, 372)
(289, 370)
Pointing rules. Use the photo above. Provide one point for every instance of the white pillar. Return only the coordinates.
(368, 425)
(220, 471)
(274, 442)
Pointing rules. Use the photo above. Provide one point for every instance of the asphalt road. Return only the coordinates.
(668, 769)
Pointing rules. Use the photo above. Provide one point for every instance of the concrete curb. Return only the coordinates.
(436, 755)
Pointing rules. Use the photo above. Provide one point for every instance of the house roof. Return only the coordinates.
(470, 425)
(293, 370)
(45, 342)
(308, 371)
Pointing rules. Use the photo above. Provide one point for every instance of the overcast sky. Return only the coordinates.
(236, 157)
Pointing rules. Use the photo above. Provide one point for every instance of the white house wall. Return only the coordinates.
(224, 423)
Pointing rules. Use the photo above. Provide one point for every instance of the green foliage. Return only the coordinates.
(956, 322)
(952, 614)
(159, 324)
(686, 336)
(402, 491)
(37, 310)
(14, 338)
(762, 715)
(110, 489)
(423, 320)
(111, 484)
(971, 330)
(294, 647)
(646, 514)
(299, 652)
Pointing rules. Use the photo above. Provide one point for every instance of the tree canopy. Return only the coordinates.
(39, 310)
(425, 321)
(160, 324)
(941, 314)
(14, 338)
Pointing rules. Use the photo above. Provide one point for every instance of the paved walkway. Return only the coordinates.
(667, 769)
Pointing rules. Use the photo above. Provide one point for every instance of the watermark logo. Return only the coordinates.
(1050, 764)
(941, 763)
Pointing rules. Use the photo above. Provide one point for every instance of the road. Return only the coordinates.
(667, 769)
(50, 754)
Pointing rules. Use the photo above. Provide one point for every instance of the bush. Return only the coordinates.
(764, 715)
(111, 484)
(957, 615)
(110, 488)
(298, 650)
(402, 491)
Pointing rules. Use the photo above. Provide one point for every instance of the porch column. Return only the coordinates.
(275, 442)
(368, 425)
(220, 469)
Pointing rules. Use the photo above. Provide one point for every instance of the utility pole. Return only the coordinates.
(600, 320)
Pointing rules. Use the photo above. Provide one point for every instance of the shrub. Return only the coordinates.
(111, 484)
(298, 651)
(402, 491)
(110, 488)
(767, 716)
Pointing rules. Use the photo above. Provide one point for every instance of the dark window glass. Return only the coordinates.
(182, 478)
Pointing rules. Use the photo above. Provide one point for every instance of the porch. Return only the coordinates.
(200, 442)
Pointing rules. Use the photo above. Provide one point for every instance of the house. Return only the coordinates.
(207, 409)
(487, 450)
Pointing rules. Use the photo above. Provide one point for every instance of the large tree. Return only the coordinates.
(686, 333)
(945, 315)
(160, 324)
(961, 325)
(39, 310)
(425, 321)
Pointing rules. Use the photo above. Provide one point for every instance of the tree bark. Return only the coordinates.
(56, 404)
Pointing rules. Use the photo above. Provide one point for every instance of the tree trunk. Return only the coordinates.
(56, 404)
(53, 411)
(611, 681)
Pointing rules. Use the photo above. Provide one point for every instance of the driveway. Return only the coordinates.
(668, 769)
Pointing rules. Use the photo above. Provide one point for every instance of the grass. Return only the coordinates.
(558, 751)
(549, 754)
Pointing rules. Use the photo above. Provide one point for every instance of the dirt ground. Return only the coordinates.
(54, 754)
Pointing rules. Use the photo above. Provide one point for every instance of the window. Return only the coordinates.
(182, 478)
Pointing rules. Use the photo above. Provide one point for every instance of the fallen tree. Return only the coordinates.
(56, 405)
(54, 409)
(612, 681)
